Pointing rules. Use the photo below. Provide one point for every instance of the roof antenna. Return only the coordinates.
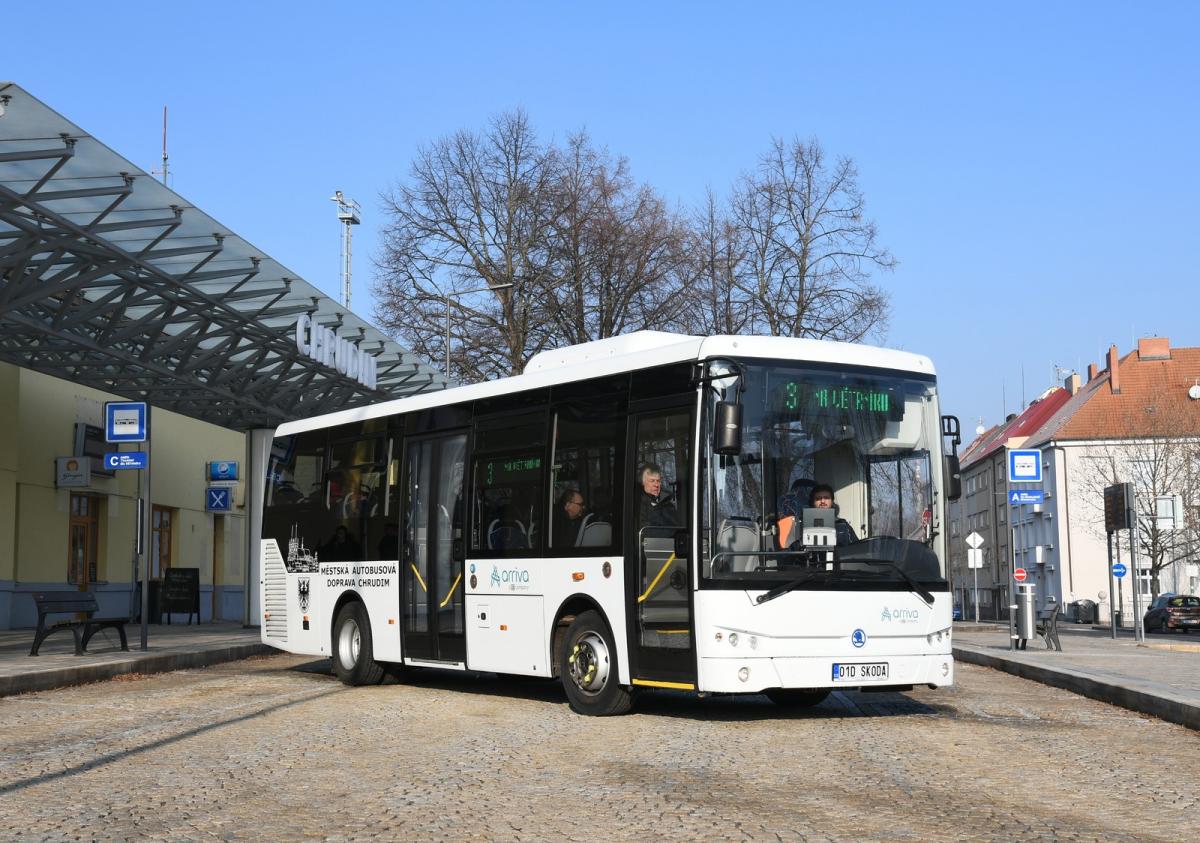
(165, 171)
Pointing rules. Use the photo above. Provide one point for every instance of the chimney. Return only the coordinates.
(1071, 384)
(1154, 348)
(1114, 376)
(1091, 372)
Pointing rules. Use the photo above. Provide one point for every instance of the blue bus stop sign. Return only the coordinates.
(1119, 569)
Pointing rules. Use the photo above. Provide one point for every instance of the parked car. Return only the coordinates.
(1173, 611)
(957, 612)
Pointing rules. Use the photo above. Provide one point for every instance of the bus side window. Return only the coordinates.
(586, 465)
(294, 513)
(507, 481)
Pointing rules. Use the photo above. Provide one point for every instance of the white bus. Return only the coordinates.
(633, 512)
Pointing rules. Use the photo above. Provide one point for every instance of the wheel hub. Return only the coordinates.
(589, 663)
(349, 642)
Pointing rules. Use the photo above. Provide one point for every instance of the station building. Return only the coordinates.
(115, 288)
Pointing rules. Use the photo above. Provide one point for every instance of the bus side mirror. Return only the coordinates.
(953, 477)
(727, 429)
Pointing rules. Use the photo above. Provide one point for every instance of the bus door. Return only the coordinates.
(432, 552)
(657, 549)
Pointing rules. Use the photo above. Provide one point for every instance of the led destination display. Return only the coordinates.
(813, 398)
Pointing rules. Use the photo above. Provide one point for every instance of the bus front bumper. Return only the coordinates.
(754, 675)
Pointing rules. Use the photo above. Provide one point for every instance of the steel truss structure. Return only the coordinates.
(110, 279)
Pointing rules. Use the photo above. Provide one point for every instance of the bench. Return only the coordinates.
(69, 603)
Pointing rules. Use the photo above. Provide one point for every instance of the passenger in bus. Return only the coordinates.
(654, 508)
(389, 545)
(342, 547)
(568, 518)
(822, 498)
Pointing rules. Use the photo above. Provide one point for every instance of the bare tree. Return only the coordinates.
(1157, 449)
(615, 249)
(569, 248)
(808, 250)
(716, 256)
(475, 213)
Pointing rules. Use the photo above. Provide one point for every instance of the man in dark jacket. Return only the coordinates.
(654, 510)
(822, 498)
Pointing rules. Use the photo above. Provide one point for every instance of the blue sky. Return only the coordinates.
(1033, 166)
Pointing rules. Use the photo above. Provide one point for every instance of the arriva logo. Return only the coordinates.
(886, 616)
(900, 615)
(512, 577)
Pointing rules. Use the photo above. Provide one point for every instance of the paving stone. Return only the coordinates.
(275, 748)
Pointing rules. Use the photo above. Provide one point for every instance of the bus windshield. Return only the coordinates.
(837, 480)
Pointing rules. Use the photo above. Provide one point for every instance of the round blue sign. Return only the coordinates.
(1119, 569)
(858, 638)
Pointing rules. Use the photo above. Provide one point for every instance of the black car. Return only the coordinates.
(1173, 611)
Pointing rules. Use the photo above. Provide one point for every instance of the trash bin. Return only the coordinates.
(1085, 611)
(1026, 615)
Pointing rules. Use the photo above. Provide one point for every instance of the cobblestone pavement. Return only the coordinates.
(274, 748)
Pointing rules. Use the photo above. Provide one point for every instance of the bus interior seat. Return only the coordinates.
(507, 535)
(739, 534)
(595, 534)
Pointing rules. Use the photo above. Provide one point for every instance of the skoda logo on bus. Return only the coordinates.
(858, 638)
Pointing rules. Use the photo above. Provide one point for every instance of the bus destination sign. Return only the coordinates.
(838, 399)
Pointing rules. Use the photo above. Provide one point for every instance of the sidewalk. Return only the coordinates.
(173, 647)
(1160, 677)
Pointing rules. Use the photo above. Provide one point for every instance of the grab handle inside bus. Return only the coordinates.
(727, 429)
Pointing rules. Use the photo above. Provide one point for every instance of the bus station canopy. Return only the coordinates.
(110, 279)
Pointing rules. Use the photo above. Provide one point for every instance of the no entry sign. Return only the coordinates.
(1019, 575)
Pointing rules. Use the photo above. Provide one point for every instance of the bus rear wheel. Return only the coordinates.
(588, 668)
(797, 697)
(353, 656)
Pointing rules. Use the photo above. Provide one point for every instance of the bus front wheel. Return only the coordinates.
(589, 668)
(353, 656)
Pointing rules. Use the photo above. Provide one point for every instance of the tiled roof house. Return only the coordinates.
(1139, 404)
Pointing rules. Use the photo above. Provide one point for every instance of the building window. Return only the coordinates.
(83, 540)
(160, 541)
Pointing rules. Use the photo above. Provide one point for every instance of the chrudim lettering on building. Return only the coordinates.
(326, 347)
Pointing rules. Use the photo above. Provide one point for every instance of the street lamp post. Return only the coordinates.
(447, 297)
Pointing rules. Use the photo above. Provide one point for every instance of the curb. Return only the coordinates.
(44, 680)
(1174, 709)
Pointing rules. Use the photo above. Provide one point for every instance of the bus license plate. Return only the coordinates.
(860, 672)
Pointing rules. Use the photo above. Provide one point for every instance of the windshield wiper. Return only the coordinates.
(914, 586)
(788, 586)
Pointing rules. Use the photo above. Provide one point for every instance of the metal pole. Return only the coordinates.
(1139, 633)
(1012, 626)
(447, 336)
(1120, 586)
(1112, 618)
(146, 546)
(976, 594)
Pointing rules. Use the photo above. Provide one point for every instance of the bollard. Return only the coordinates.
(1026, 616)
